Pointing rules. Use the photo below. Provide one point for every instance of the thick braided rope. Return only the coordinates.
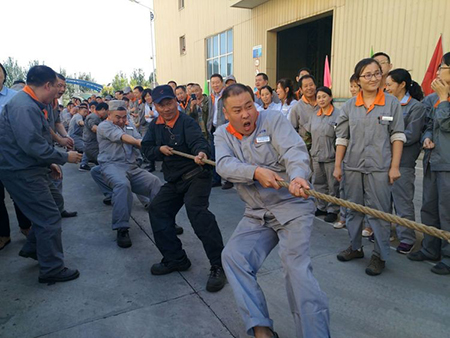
(445, 235)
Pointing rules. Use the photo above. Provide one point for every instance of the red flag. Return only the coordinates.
(430, 75)
(326, 74)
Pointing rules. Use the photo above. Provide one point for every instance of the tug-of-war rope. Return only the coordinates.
(445, 235)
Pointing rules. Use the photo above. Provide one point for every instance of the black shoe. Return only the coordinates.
(441, 269)
(320, 213)
(67, 214)
(84, 167)
(25, 254)
(64, 275)
(419, 256)
(330, 217)
(179, 229)
(371, 238)
(376, 266)
(107, 201)
(227, 185)
(123, 238)
(349, 254)
(216, 184)
(216, 280)
(164, 268)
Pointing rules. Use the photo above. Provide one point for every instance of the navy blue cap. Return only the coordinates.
(162, 92)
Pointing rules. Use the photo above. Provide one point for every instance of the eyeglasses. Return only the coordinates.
(369, 76)
(383, 62)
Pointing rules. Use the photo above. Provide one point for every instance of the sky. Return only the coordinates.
(101, 37)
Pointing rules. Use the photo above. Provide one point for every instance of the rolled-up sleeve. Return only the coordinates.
(342, 127)
(397, 127)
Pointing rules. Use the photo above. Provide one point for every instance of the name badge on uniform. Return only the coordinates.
(129, 128)
(386, 118)
(262, 139)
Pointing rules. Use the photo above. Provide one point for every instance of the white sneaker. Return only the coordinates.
(367, 232)
(339, 225)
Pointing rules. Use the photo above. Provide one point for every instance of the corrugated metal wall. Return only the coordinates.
(406, 29)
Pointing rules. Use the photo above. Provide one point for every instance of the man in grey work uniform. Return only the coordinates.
(99, 112)
(119, 145)
(254, 152)
(26, 156)
(76, 126)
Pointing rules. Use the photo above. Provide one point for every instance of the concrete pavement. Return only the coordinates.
(116, 296)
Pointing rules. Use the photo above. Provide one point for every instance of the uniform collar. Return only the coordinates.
(171, 123)
(379, 100)
(439, 101)
(304, 99)
(405, 99)
(235, 133)
(320, 112)
(27, 89)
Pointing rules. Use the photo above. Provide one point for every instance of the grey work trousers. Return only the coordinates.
(403, 198)
(373, 191)
(436, 212)
(31, 191)
(98, 178)
(124, 179)
(79, 146)
(57, 191)
(325, 183)
(244, 254)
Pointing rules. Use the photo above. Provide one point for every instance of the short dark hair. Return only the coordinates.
(18, 81)
(70, 104)
(98, 97)
(102, 105)
(83, 105)
(217, 75)
(269, 88)
(382, 54)
(304, 77)
(325, 90)
(40, 75)
(190, 84)
(353, 78)
(126, 99)
(140, 88)
(93, 103)
(145, 92)
(446, 59)
(4, 72)
(119, 91)
(172, 81)
(181, 87)
(233, 90)
(60, 76)
(304, 69)
(264, 76)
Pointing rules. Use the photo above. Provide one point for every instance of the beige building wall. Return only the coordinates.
(407, 30)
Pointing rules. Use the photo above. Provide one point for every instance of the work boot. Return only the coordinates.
(64, 275)
(227, 185)
(320, 213)
(25, 254)
(179, 230)
(441, 269)
(216, 280)
(84, 168)
(419, 256)
(107, 201)
(330, 217)
(123, 238)
(376, 266)
(349, 254)
(4, 241)
(164, 268)
(67, 214)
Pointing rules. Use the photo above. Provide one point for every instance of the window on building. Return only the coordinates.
(180, 4)
(219, 54)
(183, 44)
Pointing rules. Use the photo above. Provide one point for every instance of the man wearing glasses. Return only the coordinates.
(188, 183)
(119, 144)
(386, 66)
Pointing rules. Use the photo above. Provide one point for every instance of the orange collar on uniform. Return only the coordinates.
(319, 113)
(235, 133)
(184, 105)
(140, 101)
(307, 102)
(379, 100)
(409, 99)
(171, 123)
(27, 89)
(439, 101)
(297, 94)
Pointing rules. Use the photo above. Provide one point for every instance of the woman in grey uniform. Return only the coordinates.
(285, 91)
(409, 93)
(371, 128)
(267, 100)
(323, 152)
(435, 210)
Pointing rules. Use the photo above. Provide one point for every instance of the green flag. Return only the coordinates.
(371, 51)
(206, 89)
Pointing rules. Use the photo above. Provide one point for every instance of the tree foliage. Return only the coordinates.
(16, 72)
